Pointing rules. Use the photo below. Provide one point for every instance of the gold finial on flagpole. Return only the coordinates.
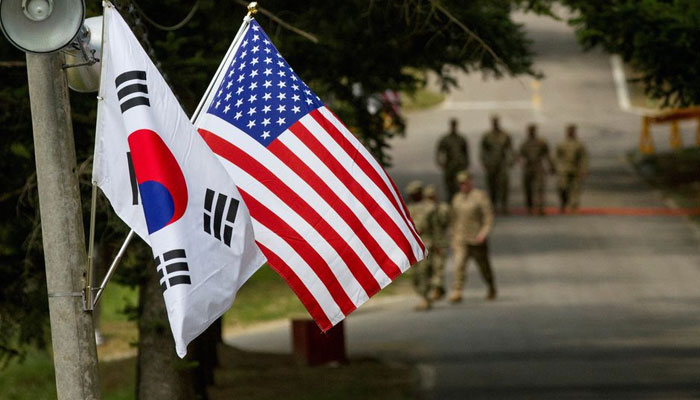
(252, 8)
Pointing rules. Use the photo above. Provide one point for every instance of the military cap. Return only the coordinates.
(463, 176)
(414, 187)
(429, 190)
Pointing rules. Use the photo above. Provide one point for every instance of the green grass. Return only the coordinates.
(264, 297)
(31, 379)
(421, 99)
(243, 375)
(118, 379)
(248, 375)
(114, 299)
(34, 379)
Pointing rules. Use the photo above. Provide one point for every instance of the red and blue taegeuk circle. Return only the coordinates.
(161, 182)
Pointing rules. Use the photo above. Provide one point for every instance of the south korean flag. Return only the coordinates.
(167, 185)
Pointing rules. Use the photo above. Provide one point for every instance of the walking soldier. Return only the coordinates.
(572, 166)
(497, 158)
(471, 223)
(452, 156)
(534, 153)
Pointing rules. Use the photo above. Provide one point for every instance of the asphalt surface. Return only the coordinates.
(590, 306)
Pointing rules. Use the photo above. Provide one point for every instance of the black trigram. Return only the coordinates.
(214, 215)
(132, 82)
(132, 179)
(173, 269)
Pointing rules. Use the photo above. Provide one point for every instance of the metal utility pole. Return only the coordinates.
(72, 333)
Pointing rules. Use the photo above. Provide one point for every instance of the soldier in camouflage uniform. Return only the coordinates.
(497, 158)
(420, 211)
(572, 166)
(439, 218)
(452, 156)
(471, 221)
(534, 153)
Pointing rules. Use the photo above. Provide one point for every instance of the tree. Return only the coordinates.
(658, 38)
(371, 45)
(23, 301)
(374, 46)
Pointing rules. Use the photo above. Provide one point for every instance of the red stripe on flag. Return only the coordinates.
(290, 159)
(388, 178)
(393, 185)
(365, 166)
(298, 287)
(303, 134)
(255, 169)
(276, 224)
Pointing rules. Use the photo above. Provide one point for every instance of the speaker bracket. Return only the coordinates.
(91, 59)
(81, 44)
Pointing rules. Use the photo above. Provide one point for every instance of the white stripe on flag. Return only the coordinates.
(357, 173)
(233, 135)
(313, 199)
(303, 271)
(385, 240)
(340, 270)
(366, 154)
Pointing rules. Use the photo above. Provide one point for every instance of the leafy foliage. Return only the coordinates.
(659, 38)
(23, 301)
(371, 46)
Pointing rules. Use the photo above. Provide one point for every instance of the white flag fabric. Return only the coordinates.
(166, 184)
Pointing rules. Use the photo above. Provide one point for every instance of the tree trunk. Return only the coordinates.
(204, 350)
(161, 374)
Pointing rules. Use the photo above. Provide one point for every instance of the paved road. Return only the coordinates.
(590, 306)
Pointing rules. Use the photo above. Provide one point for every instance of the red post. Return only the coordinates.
(313, 347)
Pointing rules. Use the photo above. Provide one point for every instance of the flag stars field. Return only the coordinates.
(254, 87)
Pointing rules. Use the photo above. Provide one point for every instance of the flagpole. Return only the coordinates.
(88, 302)
(216, 81)
(113, 267)
(252, 9)
(88, 299)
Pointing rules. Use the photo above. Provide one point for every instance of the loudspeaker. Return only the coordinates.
(86, 78)
(41, 26)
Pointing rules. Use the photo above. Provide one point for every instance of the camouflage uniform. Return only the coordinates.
(572, 164)
(497, 158)
(420, 211)
(452, 156)
(535, 154)
(436, 241)
(471, 216)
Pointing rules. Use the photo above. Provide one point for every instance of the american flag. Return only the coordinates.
(325, 214)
